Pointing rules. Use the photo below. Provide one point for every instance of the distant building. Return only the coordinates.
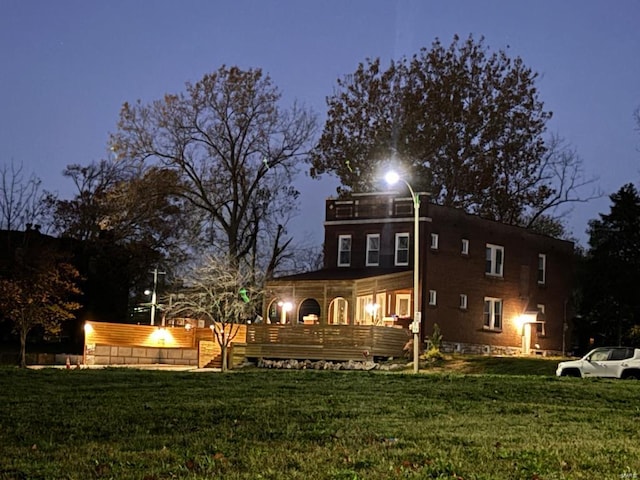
(492, 288)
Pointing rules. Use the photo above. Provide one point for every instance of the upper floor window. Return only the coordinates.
(402, 249)
(463, 301)
(344, 250)
(465, 247)
(542, 269)
(493, 313)
(373, 250)
(434, 241)
(495, 260)
(433, 297)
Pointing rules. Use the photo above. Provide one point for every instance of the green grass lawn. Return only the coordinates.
(265, 424)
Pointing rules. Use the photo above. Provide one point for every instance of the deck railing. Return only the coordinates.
(325, 342)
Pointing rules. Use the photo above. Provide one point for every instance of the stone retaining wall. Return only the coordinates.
(494, 350)
(116, 355)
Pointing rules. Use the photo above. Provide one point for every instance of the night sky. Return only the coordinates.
(66, 67)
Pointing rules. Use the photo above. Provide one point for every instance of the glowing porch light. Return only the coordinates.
(285, 307)
(162, 336)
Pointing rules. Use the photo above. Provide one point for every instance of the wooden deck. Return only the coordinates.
(325, 342)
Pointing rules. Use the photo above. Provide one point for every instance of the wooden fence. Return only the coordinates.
(302, 342)
(325, 342)
(164, 340)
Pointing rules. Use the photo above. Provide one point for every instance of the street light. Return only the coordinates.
(393, 178)
(153, 293)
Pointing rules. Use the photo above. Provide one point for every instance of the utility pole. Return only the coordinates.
(154, 293)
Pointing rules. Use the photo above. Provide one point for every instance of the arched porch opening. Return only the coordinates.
(338, 312)
(309, 312)
(280, 311)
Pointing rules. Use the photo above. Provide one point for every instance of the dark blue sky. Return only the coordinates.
(67, 66)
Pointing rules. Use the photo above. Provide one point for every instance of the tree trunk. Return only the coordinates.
(224, 356)
(23, 349)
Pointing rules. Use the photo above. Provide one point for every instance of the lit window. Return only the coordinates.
(344, 250)
(432, 297)
(542, 269)
(403, 302)
(402, 249)
(463, 301)
(434, 241)
(362, 310)
(465, 247)
(373, 250)
(495, 260)
(493, 313)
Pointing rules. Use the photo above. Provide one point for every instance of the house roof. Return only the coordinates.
(341, 274)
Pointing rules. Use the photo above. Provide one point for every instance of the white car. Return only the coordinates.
(607, 362)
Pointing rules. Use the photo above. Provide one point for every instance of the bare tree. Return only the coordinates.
(21, 200)
(220, 292)
(234, 148)
(561, 182)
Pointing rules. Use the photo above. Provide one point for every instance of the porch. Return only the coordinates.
(325, 342)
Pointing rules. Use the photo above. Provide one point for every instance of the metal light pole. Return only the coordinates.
(392, 178)
(153, 294)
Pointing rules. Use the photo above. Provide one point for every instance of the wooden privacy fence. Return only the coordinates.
(121, 343)
(325, 342)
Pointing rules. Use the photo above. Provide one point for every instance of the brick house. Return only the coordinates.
(491, 288)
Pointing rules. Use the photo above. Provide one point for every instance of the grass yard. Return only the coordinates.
(265, 424)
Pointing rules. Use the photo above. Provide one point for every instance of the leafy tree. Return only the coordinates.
(127, 221)
(610, 301)
(220, 292)
(39, 291)
(467, 123)
(235, 151)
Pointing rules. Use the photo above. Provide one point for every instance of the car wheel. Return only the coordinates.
(570, 372)
(633, 375)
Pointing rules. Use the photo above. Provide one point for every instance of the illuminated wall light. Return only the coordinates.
(162, 336)
(88, 328)
(525, 318)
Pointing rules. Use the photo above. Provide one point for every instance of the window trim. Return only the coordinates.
(464, 301)
(402, 297)
(543, 270)
(465, 247)
(397, 250)
(435, 238)
(496, 269)
(340, 250)
(369, 263)
(491, 320)
(433, 298)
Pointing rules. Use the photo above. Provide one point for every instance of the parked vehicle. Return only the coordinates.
(607, 362)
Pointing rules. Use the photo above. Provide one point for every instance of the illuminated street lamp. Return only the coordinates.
(393, 178)
(153, 293)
